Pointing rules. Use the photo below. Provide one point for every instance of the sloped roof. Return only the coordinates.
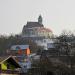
(34, 24)
(9, 59)
(44, 29)
(3, 58)
(17, 47)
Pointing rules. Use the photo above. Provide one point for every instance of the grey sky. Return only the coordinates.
(57, 14)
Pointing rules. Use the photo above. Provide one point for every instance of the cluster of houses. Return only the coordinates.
(19, 60)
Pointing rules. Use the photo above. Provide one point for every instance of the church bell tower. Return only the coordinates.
(40, 19)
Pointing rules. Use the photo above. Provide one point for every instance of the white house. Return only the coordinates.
(45, 43)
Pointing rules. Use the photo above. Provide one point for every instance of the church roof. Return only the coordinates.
(33, 24)
(44, 29)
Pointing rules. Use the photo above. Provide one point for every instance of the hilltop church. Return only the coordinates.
(36, 29)
(37, 32)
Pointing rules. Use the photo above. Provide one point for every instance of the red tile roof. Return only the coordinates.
(44, 29)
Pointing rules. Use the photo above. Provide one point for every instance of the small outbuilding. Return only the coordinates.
(8, 66)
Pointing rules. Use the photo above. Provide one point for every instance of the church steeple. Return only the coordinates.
(40, 19)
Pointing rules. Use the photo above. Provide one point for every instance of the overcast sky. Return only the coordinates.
(57, 15)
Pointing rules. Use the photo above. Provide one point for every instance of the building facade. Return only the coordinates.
(37, 32)
(9, 66)
(36, 29)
